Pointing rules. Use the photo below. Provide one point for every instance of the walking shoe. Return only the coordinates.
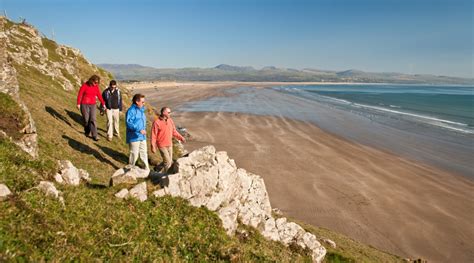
(109, 139)
(95, 139)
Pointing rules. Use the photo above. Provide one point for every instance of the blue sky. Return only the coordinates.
(410, 36)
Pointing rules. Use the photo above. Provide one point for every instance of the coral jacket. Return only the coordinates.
(87, 94)
(162, 132)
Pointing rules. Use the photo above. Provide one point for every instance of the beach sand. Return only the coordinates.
(392, 203)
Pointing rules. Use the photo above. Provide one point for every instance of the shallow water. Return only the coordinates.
(438, 140)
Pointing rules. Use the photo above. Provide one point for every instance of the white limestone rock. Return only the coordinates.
(122, 193)
(329, 242)
(128, 175)
(160, 193)
(139, 192)
(49, 189)
(4, 192)
(209, 178)
(69, 174)
(270, 231)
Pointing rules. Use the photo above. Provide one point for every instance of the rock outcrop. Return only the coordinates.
(9, 85)
(209, 178)
(27, 47)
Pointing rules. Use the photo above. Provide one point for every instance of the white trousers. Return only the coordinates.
(113, 122)
(138, 149)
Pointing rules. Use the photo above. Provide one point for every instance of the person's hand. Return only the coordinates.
(153, 150)
(183, 140)
(143, 132)
(78, 106)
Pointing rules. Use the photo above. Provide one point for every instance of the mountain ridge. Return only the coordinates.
(226, 72)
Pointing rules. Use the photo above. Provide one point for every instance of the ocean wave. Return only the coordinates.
(452, 125)
(442, 123)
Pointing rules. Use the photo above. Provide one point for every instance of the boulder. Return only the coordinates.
(122, 193)
(139, 192)
(128, 175)
(69, 174)
(4, 191)
(49, 189)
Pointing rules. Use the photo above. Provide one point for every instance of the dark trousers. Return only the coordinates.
(88, 117)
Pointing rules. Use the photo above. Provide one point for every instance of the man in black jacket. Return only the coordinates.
(113, 104)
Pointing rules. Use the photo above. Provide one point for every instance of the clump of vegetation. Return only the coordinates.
(12, 117)
(18, 170)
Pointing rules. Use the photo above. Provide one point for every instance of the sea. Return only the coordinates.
(429, 123)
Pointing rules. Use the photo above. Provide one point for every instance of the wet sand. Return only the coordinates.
(395, 204)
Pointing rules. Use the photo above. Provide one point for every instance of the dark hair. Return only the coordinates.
(163, 110)
(137, 97)
(112, 82)
(92, 79)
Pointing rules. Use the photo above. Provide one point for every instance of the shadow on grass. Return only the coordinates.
(75, 117)
(57, 115)
(97, 185)
(78, 146)
(118, 156)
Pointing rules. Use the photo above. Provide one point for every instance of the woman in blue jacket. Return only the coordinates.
(136, 130)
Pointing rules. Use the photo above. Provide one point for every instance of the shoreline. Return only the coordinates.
(139, 85)
(312, 175)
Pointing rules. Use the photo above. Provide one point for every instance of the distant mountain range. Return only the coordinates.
(224, 72)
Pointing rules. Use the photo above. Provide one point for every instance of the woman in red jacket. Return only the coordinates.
(86, 102)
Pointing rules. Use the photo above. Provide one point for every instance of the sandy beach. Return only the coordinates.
(390, 202)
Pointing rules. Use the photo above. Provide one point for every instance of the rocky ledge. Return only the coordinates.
(211, 179)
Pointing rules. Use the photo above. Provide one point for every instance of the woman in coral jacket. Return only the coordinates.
(86, 102)
(162, 132)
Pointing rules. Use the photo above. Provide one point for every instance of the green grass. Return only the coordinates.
(51, 46)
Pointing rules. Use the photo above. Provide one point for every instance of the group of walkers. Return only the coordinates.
(162, 131)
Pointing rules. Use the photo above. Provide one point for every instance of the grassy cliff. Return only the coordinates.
(94, 224)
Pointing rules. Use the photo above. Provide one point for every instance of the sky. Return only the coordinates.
(408, 36)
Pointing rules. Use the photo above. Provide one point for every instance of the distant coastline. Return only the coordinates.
(223, 72)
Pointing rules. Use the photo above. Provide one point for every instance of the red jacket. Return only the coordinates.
(162, 132)
(87, 94)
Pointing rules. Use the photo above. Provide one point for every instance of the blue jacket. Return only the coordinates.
(135, 120)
